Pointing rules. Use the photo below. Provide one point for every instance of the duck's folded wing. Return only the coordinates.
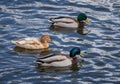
(63, 63)
(54, 61)
(23, 41)
(66, 25)
(63, 19)
(52, 58)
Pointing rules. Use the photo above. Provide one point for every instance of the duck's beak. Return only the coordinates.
(81, 54)
(87, 21)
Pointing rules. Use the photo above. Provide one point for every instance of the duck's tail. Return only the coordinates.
(14, 42)
(51, 20)
(40, 62)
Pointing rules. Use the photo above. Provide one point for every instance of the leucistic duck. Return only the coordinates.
(59, 60)
(33, 42)
(69, 22)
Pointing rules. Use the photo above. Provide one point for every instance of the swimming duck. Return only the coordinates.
(33, 43)
(69, 22)
(59, 60)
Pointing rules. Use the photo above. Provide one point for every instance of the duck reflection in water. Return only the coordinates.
(81, 31)
(43, 52)
(58, 29)
(76, 65)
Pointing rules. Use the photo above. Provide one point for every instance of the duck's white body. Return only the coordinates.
(66, 22)
(57, 60)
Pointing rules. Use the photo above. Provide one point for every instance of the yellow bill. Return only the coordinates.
(81, 54)
(87, 21)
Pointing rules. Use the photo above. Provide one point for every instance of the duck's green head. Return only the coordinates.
(75, 51)
(83, 16)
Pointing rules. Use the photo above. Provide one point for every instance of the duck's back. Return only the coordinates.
(28, 43)
(63, 19)
(67, 22)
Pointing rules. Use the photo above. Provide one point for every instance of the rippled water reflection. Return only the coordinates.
(100, 41)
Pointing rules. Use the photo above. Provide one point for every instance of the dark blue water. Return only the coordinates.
(100, 41)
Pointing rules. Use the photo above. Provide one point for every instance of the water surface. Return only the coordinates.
(100, 41)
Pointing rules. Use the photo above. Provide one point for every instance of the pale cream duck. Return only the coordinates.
(33, 42)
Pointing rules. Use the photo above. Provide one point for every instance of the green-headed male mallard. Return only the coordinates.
(59, 60)
(69, 22)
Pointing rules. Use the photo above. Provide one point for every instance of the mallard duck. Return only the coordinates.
(69, 22)
(33, 42)
(59, 60)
